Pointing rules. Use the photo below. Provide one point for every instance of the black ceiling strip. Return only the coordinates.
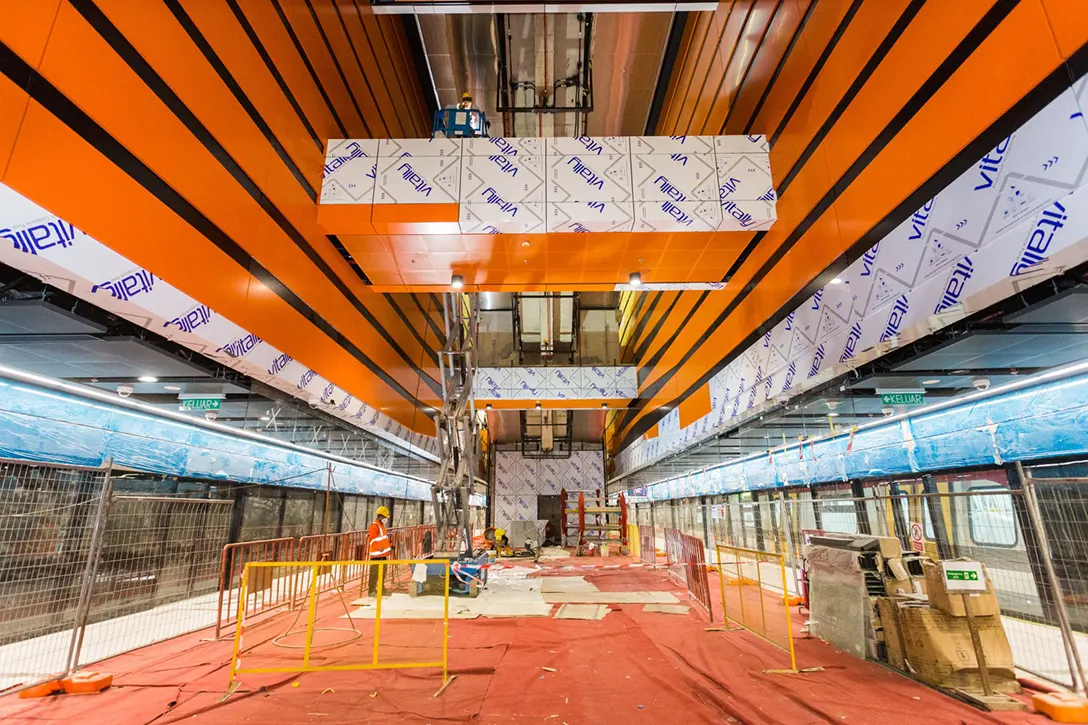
(339, 68)
(1020, 113)
(430, 320)
(224, 74)
(781, 64)
(255, 40)
(310, 68)
(867, 71)
(993, 17)
(702, 86)
(664, 73)
(728, 63)
(438, 308)
(751, 62)
(640, 300)
(632, 411)
(644, 344)
(335, 242)
(636, 334)
(358, 62)
(870, 67)
(50, 98)
(121, 45)
(408, 323)
(419, 59)
(819, 66)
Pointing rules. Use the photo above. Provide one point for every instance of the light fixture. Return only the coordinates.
(836, 280)
(487, 407)
(931, 381)
(604, 405)
(525, 243)
(172, 388)
(634, 279)
(148, 379)
(832, 415)
(538, 406)
(265, 417)
(457, 281)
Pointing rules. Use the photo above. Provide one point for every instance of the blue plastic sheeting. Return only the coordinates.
(1044, 420)
(41, 425)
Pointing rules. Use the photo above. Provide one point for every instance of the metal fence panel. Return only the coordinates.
(47, 525)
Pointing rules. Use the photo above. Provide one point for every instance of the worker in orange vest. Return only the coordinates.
(378, 547)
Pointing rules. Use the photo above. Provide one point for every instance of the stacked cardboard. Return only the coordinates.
(931, 638)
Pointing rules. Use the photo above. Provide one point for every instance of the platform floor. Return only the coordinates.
(630, 666)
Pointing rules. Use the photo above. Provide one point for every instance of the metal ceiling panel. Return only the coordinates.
(627, 51)
(38, 317)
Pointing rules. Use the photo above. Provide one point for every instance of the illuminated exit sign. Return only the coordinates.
(902, 398)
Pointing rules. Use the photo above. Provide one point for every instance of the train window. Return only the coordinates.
(927, 520)
(991, 518)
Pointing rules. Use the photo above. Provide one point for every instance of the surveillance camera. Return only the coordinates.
(211, 414)
(124, 390)
(981, 383)
(314, 403)
(887, 410)
(832, 404)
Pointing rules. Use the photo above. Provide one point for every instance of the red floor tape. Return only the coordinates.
(629, 667)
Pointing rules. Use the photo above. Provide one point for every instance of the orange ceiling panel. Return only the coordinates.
(864, 135)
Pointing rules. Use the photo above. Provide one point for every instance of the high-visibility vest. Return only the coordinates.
(378, 540)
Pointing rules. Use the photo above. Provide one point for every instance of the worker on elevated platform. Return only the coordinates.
(378, 547)
(466, 101)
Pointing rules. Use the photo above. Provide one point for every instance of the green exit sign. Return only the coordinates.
(200, 403)
(903, 398)
(962, 576)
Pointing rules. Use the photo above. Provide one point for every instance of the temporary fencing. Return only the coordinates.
(634, 541)
(273, 588)
(327, 640)
(647, 546)
(686, 559)
(754, 595)
(87, 573)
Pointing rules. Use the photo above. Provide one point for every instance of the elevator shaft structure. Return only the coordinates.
(459, 442)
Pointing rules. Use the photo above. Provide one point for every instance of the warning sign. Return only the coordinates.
(917, 538)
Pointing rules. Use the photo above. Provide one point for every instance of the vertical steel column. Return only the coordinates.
(861, 511)
(936, 513)
(1076, 668)
(899, 519)
(787, 526)
(86, 587)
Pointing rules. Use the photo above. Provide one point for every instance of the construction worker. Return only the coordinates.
(466, 101)
(378, 547)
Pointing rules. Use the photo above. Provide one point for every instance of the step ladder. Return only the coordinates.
(595, 520)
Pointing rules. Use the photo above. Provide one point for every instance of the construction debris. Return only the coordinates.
(582, 611)
(667, 608)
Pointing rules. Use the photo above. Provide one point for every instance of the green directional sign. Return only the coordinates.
(903, 398)
(962, 576)
(200, 403)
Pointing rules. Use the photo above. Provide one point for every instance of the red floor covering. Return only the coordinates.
(630, 667)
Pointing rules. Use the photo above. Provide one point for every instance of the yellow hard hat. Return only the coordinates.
(466, 96)
(499, 533)
(382, 511)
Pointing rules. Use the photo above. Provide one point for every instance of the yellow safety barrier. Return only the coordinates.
(320, 572)
(741, 570)
(633, 543)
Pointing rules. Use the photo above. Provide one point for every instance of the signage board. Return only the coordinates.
(963, 576)
(200, 403)
(903, 398)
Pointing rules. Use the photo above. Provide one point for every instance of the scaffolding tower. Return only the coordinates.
(458, 439)
(595, 520)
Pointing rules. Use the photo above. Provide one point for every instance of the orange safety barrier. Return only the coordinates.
(271, 588)
(269, 593)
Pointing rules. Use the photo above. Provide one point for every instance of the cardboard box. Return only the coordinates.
(887, 609)
(983, 604)
(939, 649)
(890, 547)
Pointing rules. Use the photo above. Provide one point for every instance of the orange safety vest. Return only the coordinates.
(378, 540)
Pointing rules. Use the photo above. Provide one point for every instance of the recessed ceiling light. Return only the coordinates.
(172, 388)
(457, 281)
(525, 243)
(604, 405)
(634, 279)
(488, 406)
(265, 417)
(148, 379)
(836, 280)
(931, 381)
(538, 406)
(832, 415)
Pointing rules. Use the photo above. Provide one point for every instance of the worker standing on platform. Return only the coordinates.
(378, 547)
(466, 101)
